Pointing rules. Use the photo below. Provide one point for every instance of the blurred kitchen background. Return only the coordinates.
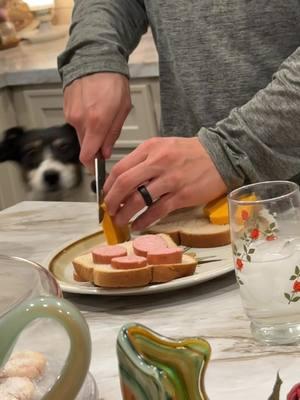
(32, 34)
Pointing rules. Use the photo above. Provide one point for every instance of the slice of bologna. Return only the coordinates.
(129, 262)
(165, 256)
(104, 254)
(142, 245)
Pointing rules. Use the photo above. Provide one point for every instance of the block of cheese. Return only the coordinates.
(113, 233)
(217, 211)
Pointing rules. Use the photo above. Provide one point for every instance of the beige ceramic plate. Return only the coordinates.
(60, 264)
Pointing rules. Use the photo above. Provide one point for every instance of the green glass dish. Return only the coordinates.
(154, 367)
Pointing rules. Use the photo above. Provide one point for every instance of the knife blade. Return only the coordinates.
(100, 175)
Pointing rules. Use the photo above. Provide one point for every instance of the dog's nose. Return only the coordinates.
(51, 177)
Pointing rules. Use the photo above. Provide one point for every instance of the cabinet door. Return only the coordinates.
(12, 188)
(141, 122)
(11, 184)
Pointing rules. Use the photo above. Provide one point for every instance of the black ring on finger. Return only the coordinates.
(145, 195)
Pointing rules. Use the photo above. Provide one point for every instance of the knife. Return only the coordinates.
(100, 175)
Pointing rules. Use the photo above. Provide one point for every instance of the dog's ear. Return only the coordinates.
(72, 131)
(69, 128)
(9, 146)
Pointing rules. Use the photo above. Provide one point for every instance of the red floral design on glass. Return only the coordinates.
(296, 286)
(254, 228)
(294, 393)
(239, 264)
(254, 234)
(245, 215)
(293, 296)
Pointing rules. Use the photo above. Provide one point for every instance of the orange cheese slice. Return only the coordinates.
(113, 233)
(217, 211)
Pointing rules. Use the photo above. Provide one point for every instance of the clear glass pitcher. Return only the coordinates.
(34, 316)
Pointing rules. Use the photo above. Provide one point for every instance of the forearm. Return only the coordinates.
(103, 33)
(260, 140)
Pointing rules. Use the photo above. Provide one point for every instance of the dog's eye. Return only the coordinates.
(62, 146)
(65, 150)
(31, 153)
(31, 157)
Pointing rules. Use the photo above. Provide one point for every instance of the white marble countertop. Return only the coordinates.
(240, 368)
(30, 64)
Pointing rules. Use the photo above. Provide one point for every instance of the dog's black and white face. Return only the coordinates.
(49, 158)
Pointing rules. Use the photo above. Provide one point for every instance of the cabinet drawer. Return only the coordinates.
(39, 107)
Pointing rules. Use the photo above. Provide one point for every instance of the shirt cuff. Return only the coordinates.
(79, 68)
(225, 160)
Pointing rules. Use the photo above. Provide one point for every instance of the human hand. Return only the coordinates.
(178, 173)
(97, 106)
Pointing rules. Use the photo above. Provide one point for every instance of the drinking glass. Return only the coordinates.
(34, 316)
(265, 235)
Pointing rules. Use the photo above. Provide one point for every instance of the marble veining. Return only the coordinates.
(239, 367)
(30, 64)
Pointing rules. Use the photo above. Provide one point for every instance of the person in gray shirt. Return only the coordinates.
(230, 97)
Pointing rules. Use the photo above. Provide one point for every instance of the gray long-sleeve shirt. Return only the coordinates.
(229, 72)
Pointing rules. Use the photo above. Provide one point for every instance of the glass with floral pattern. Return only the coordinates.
(265, 235)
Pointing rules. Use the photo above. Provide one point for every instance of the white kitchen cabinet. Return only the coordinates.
(7, 111)
(11, 185)
(42, 106)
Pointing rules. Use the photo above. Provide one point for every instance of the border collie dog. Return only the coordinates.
(49, 161)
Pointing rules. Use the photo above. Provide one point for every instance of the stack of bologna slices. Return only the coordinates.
(150, 258)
